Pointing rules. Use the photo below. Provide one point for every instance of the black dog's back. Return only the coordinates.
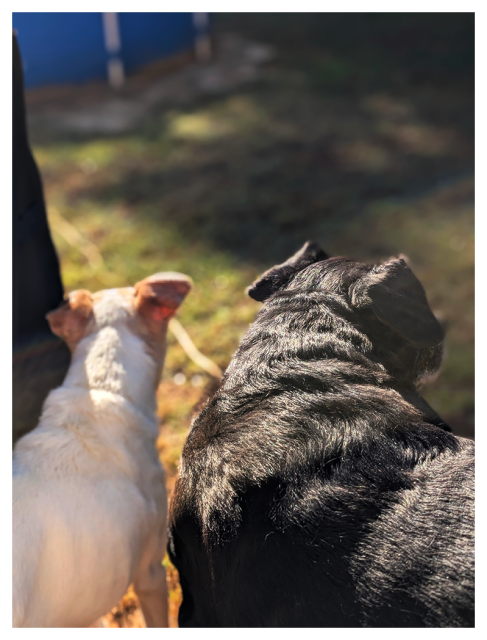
(317, 488)
(416, 565)
(266, 578)
(306, 566)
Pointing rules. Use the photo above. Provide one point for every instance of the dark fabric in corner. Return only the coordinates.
(40, 359)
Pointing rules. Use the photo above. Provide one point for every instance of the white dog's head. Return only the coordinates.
(118, 336)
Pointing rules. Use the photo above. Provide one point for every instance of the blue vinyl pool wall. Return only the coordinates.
(58, 48)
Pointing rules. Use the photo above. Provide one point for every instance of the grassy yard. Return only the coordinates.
(358, 134)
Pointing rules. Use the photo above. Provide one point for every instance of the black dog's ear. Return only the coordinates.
(398, 299)
(278, 276)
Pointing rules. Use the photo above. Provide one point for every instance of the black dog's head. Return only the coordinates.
(385, 301)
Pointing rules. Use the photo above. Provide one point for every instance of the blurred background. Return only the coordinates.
(215, 145)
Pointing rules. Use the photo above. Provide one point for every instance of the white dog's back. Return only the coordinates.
(82, 502)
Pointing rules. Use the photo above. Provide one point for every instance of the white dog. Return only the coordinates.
(89, 497)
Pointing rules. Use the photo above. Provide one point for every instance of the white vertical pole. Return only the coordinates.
(202, 41)
(113, 45)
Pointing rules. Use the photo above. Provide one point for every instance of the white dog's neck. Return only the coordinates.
(104, 411)
(113, 359)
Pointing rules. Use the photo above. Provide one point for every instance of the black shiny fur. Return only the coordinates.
(317, 488)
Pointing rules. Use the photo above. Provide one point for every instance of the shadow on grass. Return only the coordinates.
(356, 108)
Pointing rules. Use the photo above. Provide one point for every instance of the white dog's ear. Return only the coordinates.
(158, 297)
(69, 321)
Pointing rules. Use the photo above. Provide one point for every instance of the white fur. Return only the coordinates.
(89, 499)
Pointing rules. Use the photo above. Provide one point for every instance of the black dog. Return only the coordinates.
(317, 488)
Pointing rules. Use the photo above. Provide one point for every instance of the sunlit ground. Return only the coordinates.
(361, 140)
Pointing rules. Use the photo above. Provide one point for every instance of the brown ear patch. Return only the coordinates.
(158, 297)
(69, 321)
(398, 299)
